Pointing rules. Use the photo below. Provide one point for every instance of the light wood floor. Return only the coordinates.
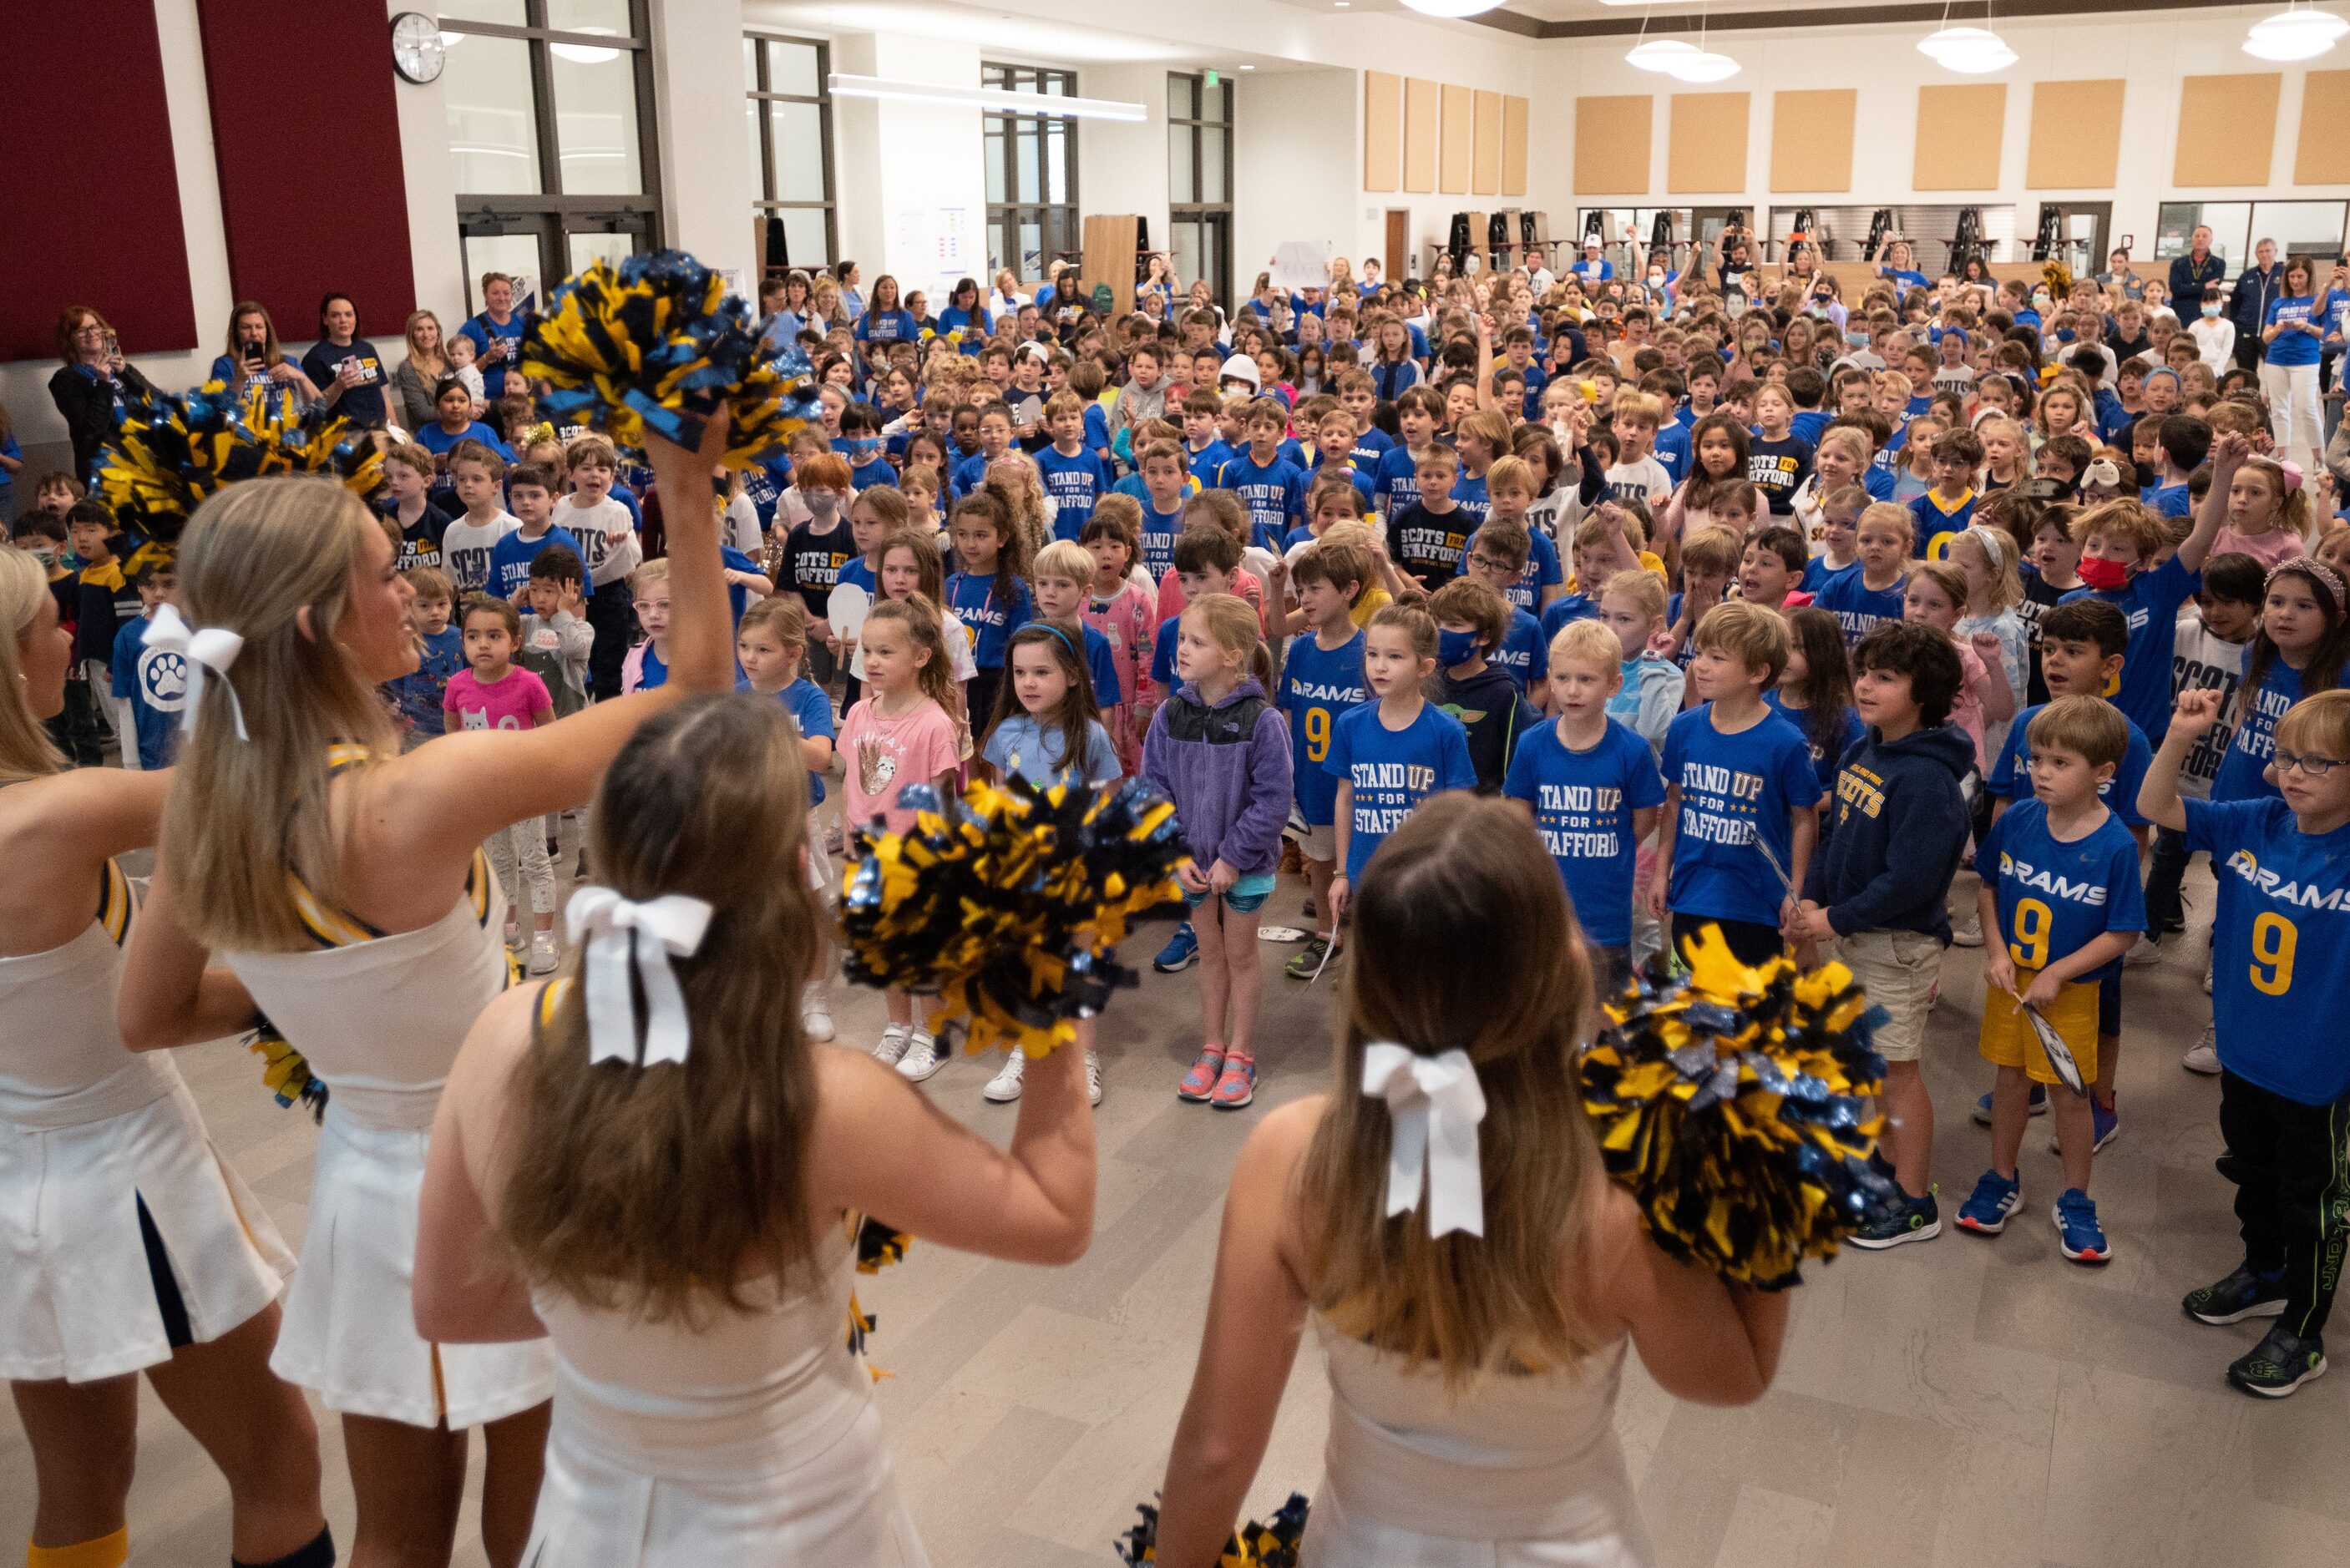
(1966, 1401)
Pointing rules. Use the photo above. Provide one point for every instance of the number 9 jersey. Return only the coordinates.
(1317, 684)
(2055, 897)
(2280, 947)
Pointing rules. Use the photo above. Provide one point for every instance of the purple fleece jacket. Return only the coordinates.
(1228, 775)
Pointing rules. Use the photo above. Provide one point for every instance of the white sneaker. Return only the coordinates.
(2203, 1056)
(2142, 951)
(1093, 1078)
(1969, 935)
(1005, 1086)
(893, 1044)
(514, 938)
(921, 1059)
(815, 1012)
(542, 952)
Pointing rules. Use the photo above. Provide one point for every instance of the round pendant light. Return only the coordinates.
(1450, 8)
(1660, 54)
(2296, 33)
(1971, 51)
(1703, 67)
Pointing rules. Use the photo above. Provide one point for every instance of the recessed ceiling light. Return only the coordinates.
(1248, 67)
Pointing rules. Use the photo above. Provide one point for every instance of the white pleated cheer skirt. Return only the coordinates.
(77, 1298)
(350, 1334)
(1337, 1538)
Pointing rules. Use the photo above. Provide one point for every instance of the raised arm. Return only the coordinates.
(2157, 796)
(2229, 451)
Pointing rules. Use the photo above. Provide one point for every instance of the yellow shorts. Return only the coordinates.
(2008, 1038)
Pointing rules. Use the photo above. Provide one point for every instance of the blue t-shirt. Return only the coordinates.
(1273, 493)
(1524, 653)
(1162, 653)
(1355, 476)
(511, 557)
(1202, 464)
(1393, 771)
(1075, 483)
(2253, 745)
(764, 482)
(2280, 946)
(1583, 804)
(1019, 745)
(1859, 608)
(156, 682)
(1317, 685)
(1823, 759)
(2011, 778)
(1562, 611)
(738, 597)
(1396, 481)
(1541, 570)
(1469, 495)
(481, 329)
(1369, 447)
(888, 326)
(1158, 537)
(1671, 449)
(2292, 346)
(2056, 899)
(1101, 664)
(424, 693)
(810, 709)
(989, 615)
(974, 325)
(435, 439)
(2149, 602)
(1938, 523)
(1734, 789)
(2171, 500)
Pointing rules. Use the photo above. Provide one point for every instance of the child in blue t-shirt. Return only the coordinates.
(1594, 790)
(989, 594)
(1740, 807)
(152, 680)
(530, 495)
(1270, 486)
(422, 692)
(771, 649)
(1321, 681)
(1073, 477)
(1867, 593)
(1391, 755)
(2280, 965)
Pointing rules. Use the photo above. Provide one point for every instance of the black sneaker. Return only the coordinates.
(1917, 1220)
(2282, 1362)
(2241, 1295)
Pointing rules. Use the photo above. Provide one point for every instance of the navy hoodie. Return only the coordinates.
(1891, 839)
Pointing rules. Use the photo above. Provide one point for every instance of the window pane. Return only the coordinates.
(1032, 249)
(796, 130)
(804, 241)
(990, 75)
(1057, 83)
(1183, 236)
(516, 256)
(492, 130)
(1027, 152)
(758, 167)
(505, 13)
(791, 68)
(1179, 165)
(1211, 164)
(1179, 97)
(586, 248)
(609, 17)
(749, 65)
(1057, 162)
(995, 262)
(2310, 228)
(596, 120)
(1220, 102)
(993, 157)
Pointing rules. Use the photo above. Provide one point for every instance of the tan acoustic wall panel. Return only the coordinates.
(1706, 151)
(1811, 139)
(1960, 127)
(1611, 145)
(1485, 176)
(1456, 149)
(1514, 146)
(1382, 131)
(2076, 136)
(2323, 157)
(1419, 116)
(2227, 129)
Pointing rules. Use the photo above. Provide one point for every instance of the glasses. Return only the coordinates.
(2315, 767)
(1478, 558)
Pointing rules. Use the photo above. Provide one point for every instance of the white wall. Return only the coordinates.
(1122, 165)
(705, 159)
(897, 163)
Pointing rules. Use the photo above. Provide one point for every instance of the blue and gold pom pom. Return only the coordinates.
(1730, 1103)
(656, 344)
(169, 451)
(1253, 1545)
(1011, 903)
(879, 1246)
(286, 1072)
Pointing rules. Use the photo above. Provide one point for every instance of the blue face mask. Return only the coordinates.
(1455, 647)
(865, 447)
(2063, 335)
(2210, 307)
(1859, 339)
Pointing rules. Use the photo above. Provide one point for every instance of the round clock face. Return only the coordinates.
(416, 49)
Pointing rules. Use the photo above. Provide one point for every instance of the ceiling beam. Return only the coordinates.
(1678, 20)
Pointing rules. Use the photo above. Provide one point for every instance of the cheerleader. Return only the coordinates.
(127, 1244)
(1475, 1332)
(342, 883)
(675, 1202)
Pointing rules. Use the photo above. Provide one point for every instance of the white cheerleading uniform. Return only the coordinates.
(90, 1134)
(1521, 1472)
(379, 1018)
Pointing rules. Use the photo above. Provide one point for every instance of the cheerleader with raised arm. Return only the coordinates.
(127, 1245)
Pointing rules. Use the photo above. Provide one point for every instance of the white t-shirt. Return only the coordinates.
(1645, 480)
(2200, 660)
(2215, 341)
(465, 550)
(607, 535)
(742, 526)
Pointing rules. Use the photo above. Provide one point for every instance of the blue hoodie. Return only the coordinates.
(1893, 834)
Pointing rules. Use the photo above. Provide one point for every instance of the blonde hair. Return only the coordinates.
(653, 572)
(1999, 555)
(1888, 514)
(1023, 500)
(921, 620)
(2133, 520)
(2089, 727)
(1069, 562)
(1462, 875)
(1231, 625)
(1640, 586)
(1713, 548)
(25, 750)
(1588, 641)
(1511, 470)
(1748, 633)
(2319, 723)
(246, 811)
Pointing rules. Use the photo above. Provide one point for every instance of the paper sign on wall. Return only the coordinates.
(1300, 263)
(935, 243)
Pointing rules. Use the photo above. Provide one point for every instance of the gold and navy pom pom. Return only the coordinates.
(657, 344)
(1253, 1545)
(1009, 904)
(879, 1246)
(1730, 1103)
(286, 1072)
(169, 451)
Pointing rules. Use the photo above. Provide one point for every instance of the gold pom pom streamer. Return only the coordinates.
(1728, 1103)
(879, 1247)
(286, 1072)
(1253, 1545)
(1011, 904)
(656, 344)
(169, 451)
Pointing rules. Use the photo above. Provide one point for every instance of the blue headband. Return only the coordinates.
(1063, 636)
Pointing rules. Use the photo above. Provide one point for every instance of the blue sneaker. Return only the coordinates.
(1181, 951)
(2039, 1103)
(1995, 1198)
(2078, 1234)
(1916, 1219)
(2106, 1126)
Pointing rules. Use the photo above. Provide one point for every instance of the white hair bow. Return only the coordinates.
(208, 650)
(613, 926)
(1435, 1103)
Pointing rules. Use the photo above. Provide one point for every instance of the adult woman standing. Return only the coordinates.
(852, 300)
(794, 319)
(252, 355)
(1066, 308)
(344, 367)
(342, 883)
(1202, 297)
(707, 1407)
(2292, 331)
(966, 315)
(1005, 298)
(423, 370)
(131, 1246)
(96, 382)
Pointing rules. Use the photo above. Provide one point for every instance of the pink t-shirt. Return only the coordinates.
(1967, 712)
(883, 756)
(2271, 549)
(510, 703)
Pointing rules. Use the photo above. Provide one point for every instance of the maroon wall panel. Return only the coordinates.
(305, 130)
(88, 181)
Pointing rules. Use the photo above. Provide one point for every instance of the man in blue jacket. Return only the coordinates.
(2259, 286)
(2196, 271)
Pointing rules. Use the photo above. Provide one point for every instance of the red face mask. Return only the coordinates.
(2105, 575)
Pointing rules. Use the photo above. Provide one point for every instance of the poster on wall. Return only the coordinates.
(936, 246)
(1300, 263)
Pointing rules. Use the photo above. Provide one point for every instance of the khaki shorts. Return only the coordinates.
(1318, 841)
(1898, 970)
(2007, 1039)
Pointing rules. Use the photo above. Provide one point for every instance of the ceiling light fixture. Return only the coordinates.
(586, 53)
(1969, 51)
(2296, 33)
(1658, 54)
(1693, 63)
(1451, 9)
(988, 98)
